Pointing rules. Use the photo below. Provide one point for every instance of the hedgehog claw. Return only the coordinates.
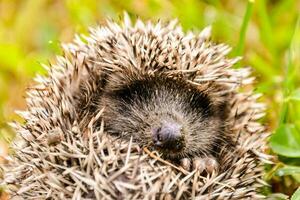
(185, 163)
(207, 164)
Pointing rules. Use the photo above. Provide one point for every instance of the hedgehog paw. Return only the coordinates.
(185, 163)
(207, 164)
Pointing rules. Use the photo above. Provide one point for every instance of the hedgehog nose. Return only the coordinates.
(168, 136)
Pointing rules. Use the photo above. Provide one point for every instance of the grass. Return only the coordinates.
(265, 32)
(241, 44)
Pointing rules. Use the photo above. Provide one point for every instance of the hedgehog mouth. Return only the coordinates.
(169, 148)
(171, 153)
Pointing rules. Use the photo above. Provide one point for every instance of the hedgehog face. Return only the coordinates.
(164, 114)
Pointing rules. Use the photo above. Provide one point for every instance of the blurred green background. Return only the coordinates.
(265, 32)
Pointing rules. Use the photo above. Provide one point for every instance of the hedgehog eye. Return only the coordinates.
(200, 101)
(158, 129)
(179, 145)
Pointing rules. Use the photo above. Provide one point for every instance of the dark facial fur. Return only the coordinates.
(165, 114)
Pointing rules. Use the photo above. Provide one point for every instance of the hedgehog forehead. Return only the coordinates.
(164, 93)
(151, 84)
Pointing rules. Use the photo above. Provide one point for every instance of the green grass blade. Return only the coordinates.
(241, 44)
(288, 83)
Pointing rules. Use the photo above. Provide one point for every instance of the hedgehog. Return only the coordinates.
(140, 111)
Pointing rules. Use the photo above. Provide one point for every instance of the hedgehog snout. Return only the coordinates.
(168, 136)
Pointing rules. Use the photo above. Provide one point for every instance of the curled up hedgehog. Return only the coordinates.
(140, 111)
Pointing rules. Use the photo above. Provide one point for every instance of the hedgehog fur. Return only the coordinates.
(62, 151)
